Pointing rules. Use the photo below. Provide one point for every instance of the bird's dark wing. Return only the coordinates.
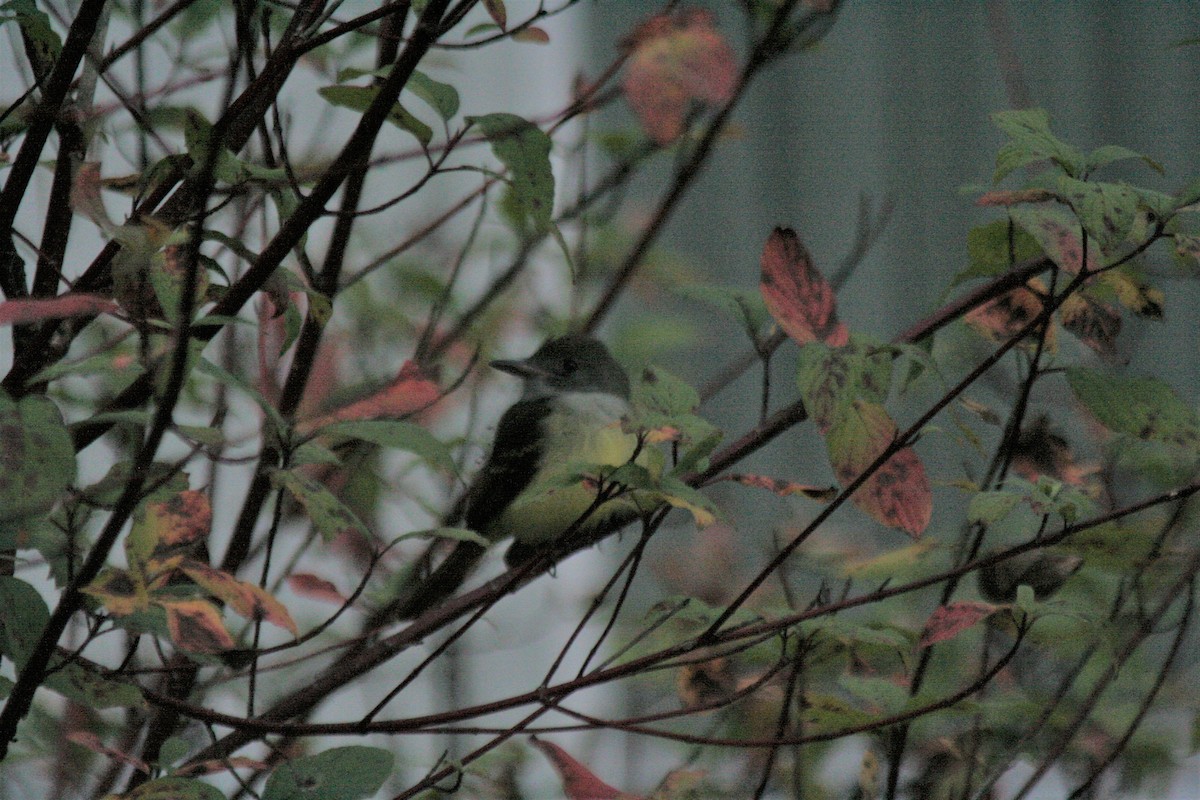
(508, 470)
(511, 465)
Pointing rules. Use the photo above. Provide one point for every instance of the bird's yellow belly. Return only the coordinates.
(550, 505)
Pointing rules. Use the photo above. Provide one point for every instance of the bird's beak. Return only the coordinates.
(522, 369)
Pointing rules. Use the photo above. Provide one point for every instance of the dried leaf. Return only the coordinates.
(797, 294)
(786, 488)
(86, 199)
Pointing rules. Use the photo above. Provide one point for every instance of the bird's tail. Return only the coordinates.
(427, 590)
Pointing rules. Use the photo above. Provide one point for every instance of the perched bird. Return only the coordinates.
(569, 414)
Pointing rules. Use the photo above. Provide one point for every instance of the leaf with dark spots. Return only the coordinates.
(898, 493)
(797, 294)
(949, 621)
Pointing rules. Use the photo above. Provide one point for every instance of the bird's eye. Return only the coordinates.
(569, 365)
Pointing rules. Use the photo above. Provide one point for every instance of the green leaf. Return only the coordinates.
(174, 788)
(222, 375)
(884, 696)
(1058, 233)
(991, 507)
(525, 150)
(359, 98)
(1103, 156)
(37, 457)
(398, 435)
(746, 306)
(314, 453)
(22, 617)
(454, 534)
(329, 515)
(42, 43)
(343, 773)
(92, 690)
(441, 97)
(108, 365)
(1030, 140)
(1143, 407)
(989, 252)
(1106, 210)
(831, 379)
(678, 494)
(661, 392)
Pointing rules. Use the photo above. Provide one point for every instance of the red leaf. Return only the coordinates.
(19, 312)
(579, 783)
(946, 622)
(898, 493)
(315, 588)
(797, 294)
(410, 391)
(675, 60)
(785, 488)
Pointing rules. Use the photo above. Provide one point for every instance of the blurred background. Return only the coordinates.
(873, 144)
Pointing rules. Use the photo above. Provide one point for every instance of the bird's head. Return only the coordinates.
(571, 363)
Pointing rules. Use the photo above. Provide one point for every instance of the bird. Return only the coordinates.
(570, 414)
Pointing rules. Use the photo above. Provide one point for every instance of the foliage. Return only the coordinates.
(244, 403)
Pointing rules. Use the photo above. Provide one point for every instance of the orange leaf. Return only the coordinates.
(410, 391)
(676, 60)
(797, 294)
(182, 520)
(92, 742)
(785, 488)
(579, 783)
(948, 621)
(315, 588)
(898, 493)
(248, 600)
(20, 312)
(196, 625)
